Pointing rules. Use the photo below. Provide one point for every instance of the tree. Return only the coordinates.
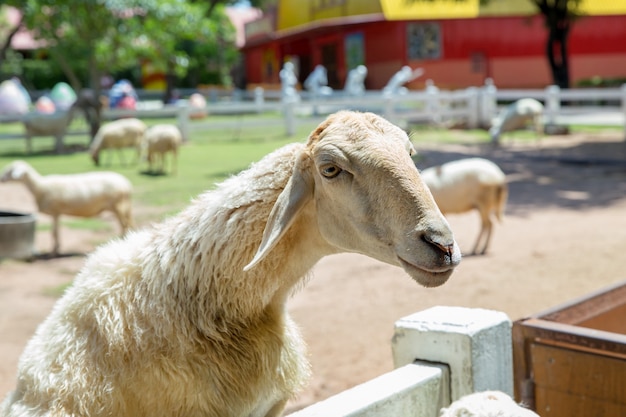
(8, 33)
(89, 38)
(558, 17)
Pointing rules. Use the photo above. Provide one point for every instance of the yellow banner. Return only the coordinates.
(595, 7)
(429, 9)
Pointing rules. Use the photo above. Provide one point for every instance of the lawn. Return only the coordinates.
(206, 158)
(209, 156)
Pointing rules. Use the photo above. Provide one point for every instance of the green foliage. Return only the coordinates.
(88, 38)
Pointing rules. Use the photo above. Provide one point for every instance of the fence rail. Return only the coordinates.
(474, 107)
(440, 355)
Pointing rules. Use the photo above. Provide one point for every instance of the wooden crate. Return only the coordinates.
(570, 361)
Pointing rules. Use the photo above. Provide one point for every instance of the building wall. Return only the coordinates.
(511, 50)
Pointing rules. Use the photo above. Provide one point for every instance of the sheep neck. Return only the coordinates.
(206, 271)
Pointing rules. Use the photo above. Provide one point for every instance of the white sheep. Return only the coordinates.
(468, 184)
(188, 317)
(516, 116)
(82, 195)
(486, 404)
(119, 134)
(159, 140)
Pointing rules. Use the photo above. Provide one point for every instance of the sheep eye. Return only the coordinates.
(330, 171)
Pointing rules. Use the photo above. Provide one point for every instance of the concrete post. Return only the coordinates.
(473, 108)
(183, 121)
(259, 98)
(488, 103)
(553, 104)
(432, 102)
(474, 343)
(290, 117)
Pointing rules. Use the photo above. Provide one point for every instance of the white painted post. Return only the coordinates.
(553, 104)
(474, 343)
(623, 90)
(183, 121)
(473, 107)
(488, 103)
(259, 98)
(289, 114)
(432, 101)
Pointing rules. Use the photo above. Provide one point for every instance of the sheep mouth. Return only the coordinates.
(427, 277)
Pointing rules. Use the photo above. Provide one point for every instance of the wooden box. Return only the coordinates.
(570, 361)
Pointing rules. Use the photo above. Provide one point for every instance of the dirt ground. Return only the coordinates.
(563, 236)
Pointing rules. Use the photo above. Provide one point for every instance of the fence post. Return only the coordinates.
(475, 343)
(432, 101)
(488, 103)
(623, 90)
(553, 104)
(288, 111)
(259, 98)
(473, 107)
(183, 121)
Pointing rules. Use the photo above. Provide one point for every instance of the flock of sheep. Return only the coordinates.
(91, 193)
(188, 317)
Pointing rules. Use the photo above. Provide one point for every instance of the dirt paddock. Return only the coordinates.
(563, 236)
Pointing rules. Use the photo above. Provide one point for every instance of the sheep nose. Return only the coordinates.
(444, 242)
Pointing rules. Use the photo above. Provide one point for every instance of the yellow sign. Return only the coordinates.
(429, 9)
(595, 7)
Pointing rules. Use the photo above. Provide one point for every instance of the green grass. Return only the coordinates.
(208, 157)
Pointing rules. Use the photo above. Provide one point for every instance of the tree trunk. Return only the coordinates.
(558, 57)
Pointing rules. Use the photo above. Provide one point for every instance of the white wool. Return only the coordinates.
(119, 134)
(516, 116)
(486, 404)
(469, 184)
(83, 195)
(188, 317)
(160, 140)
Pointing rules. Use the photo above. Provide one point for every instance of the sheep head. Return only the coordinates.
(15, 171)
(369, 198)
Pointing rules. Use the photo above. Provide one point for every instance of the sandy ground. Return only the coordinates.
(563, 236)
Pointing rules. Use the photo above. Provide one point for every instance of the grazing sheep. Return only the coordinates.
(83, 195)
(159, 140)
(468, 184)
(119, 134)
(188, 317)
(486, 404)
(516, 116)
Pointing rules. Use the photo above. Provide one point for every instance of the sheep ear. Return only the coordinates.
(13, 173)
(297, 193)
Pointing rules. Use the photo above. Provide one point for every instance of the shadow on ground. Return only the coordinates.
(560, 172)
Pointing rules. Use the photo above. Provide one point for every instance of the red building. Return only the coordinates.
(505, 40)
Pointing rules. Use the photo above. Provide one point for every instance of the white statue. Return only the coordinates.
(406, 74)
(288, 82)
(317, 82)
(355, 81)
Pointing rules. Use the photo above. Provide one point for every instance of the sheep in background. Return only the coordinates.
(82, 195)
(486, 404)
(516, 116)
(468, 184)
(188, 317)
(159, 140)
(119, 134)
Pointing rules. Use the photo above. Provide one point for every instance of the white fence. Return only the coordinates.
(440, 355)
(473, 107)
